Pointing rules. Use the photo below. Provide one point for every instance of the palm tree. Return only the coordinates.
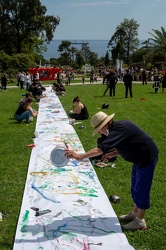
(156, 46)
(158, 41)
(73, 52)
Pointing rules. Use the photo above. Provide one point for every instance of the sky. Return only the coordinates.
(98, 20)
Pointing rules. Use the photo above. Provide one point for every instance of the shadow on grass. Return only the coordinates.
(154, 92)
(12, 120)
(111, 97)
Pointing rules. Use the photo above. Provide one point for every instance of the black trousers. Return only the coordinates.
(107, 88)
(112, 89)
(21, 84)
(128, 88)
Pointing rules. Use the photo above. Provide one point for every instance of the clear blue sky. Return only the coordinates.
(92, 19)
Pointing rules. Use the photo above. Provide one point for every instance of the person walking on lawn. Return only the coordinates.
(126, 139)
(127, 79)
(112, 79)
(4, 82)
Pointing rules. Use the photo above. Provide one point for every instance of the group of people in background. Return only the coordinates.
(31, 83)
(24, 80)
(92, 77)
(110, 78)
(67, 76)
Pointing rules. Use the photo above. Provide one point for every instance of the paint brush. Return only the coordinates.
(42, 212)
(35, 208)
(97, 244)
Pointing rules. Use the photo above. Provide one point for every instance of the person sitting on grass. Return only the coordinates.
(25, 111)
(126, 139)
(37, 89)
(79, 111)
(59, 89)
(24, 99)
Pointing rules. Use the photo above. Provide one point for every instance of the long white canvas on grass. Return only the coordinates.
(73, 211)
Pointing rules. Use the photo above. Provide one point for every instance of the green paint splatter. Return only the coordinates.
(59, 170)
(90, 195)
(44, 186)
(24, 221)
(89, 192)
(83, 188)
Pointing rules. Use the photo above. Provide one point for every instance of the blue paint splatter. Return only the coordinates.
(43, 195)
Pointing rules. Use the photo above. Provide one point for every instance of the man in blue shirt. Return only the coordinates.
(126, 139)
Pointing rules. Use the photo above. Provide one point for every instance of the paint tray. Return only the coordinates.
(58, 157)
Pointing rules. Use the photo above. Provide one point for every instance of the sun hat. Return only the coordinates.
(99, 120)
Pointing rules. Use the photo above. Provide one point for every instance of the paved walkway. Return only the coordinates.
(77, 83)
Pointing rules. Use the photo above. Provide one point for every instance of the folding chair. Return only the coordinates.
(156, 86)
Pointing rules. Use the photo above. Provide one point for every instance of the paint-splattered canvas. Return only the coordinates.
(64, 208)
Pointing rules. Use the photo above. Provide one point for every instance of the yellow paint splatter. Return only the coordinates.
(39, 173)
(74, 178)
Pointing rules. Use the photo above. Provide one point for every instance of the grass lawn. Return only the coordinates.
(149, 114)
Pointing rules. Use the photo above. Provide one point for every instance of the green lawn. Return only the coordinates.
(149, 114)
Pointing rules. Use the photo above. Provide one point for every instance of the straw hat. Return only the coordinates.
(99, 120)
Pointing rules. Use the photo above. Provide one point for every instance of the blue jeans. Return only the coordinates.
(141, 181)
(25, 115)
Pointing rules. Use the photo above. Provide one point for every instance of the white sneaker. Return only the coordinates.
(135, 225)
(127, 217)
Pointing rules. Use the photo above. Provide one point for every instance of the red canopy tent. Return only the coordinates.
(45, 73)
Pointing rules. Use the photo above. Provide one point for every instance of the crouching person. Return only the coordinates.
(126, 139)
(25, 111)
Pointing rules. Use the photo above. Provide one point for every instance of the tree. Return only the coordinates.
(16, 62)
(93, 58)
(118, 52)
(89, 56)
(125, 40)
(23, 23)
(65, 49)
(4, 60)
(73, 52)
(158, 39)
(79, 60)
(106, 59)
(155, 48)
(70, 55)
(85, 50)
(54, 62)
(21, 62)
(158, 42)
